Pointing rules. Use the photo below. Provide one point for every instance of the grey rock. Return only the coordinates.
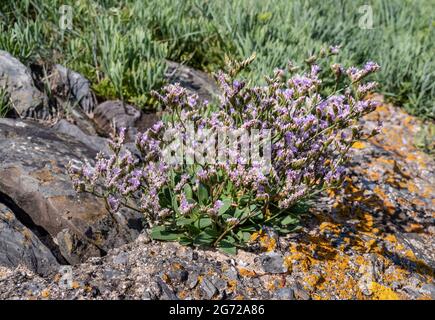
(284, 294)
(167, 293)
(195, 81)
(184, 275)
(412, 292)
(231, 273)
(20, 246)
(192, 280)
(195, 255)
(422, 249)
(179, 276)
(33, 175)
(95, 292)
(207, 288)
(111, 273)
(79, 118)
(273, 262)
(74, 87)
(300, 293)
(111, 115)
(220, 284)
(121, 258)
(94, 142)
(429, 289)
(143, 238)
(16, 78)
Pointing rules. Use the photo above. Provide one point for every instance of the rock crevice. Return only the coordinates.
(38, 231)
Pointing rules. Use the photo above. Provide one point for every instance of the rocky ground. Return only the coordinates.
(373, 239)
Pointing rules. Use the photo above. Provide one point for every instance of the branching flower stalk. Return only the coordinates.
(219, 203)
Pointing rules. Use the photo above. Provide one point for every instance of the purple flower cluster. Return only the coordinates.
(310, 136)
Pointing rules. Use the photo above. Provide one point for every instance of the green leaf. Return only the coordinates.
(246, 236)
(288, 230)
(161, 233)
(188, 191)
(205, 238)
(248, 229)
(165, 198)
(229, 187)
(202, 194)
(203, 223)
(184, 221)
(226, 204)
(289, 220)
(241, 213)
(185, 241)
(243, 200)
(227, 245)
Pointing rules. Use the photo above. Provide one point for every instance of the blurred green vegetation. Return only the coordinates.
(121, 45)
(5, 102)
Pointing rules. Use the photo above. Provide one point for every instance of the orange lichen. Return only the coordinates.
(177, 266)
(271, 286)
(182, 294)
(359, 145)
(397, 275)
(57, 277)
(266, 242)
(389, 206)
(45, 293)
(414, 227)
(231, 285)
(313, 279)
(328, 226)
(412, 187)
(247, 273)
(381, 292)
(166, 278)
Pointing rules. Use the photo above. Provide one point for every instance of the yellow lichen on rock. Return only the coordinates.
(381, 292)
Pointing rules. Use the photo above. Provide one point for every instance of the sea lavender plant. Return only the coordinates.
(202, 201)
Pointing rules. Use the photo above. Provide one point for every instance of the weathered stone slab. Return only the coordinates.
(33, 175)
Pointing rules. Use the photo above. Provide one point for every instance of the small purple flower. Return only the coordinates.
(185, 206)
(288, 93)
(88, 171)
(315, 69)
(371, 66)
(334, 50)
(158, 126)
(114, 203)
(192, 101)
(217, 205)
(134, 183)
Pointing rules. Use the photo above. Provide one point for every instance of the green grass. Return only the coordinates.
(121, 45)
(5, 103)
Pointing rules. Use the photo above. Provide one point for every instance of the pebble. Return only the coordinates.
(273, 263)
(208, 288)
(285, 294)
